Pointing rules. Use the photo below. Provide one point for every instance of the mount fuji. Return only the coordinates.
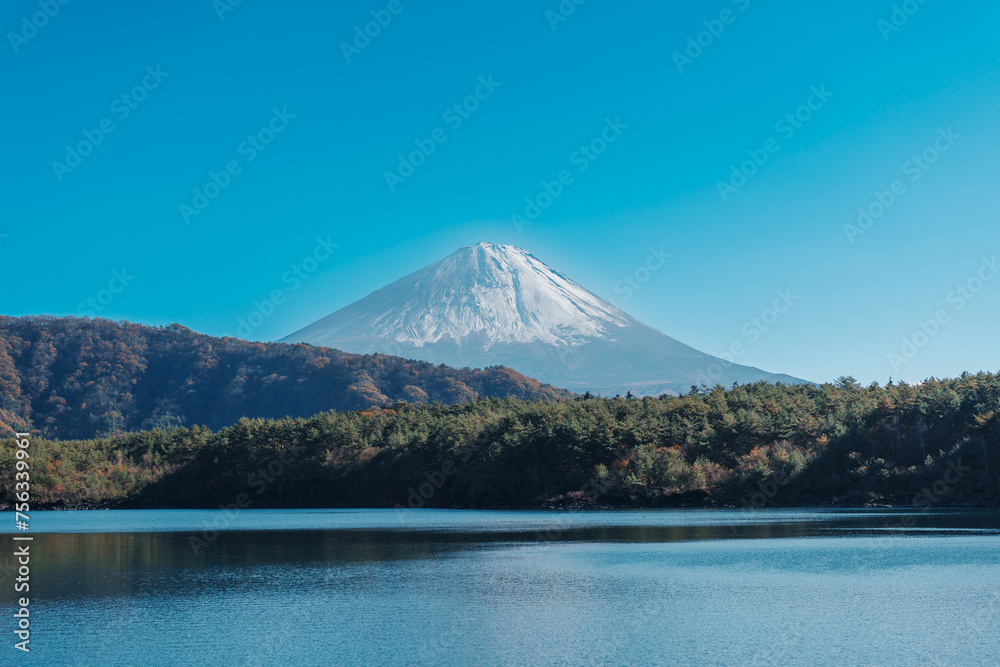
(490, 305)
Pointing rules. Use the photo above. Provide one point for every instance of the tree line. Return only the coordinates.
(754, 445)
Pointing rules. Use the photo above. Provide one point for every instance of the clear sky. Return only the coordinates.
(309, 128)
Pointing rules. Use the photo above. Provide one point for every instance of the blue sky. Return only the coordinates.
(272, 82)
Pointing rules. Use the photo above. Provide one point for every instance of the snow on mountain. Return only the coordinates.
(491, 304)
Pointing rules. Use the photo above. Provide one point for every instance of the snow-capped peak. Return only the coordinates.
(492, 304)
(490, 292)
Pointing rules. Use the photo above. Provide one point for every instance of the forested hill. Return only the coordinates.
(79, 378)
(754, 446)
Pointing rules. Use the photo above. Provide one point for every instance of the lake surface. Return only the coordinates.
(453, 587)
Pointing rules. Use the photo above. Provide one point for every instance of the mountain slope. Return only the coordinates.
(491, 304)
(76, 378)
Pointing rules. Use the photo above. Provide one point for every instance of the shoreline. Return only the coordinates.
(872, 505)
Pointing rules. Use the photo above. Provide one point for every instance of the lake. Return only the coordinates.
(461, 587)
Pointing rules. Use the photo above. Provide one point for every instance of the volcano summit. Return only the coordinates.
(490, 304)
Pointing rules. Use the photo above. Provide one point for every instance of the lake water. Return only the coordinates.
(443, 587)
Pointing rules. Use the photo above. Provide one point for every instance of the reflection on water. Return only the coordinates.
(429, 587)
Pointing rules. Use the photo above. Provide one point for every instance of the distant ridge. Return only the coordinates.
(76, 378)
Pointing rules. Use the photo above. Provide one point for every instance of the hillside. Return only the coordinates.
(80, 378)
(758, 445)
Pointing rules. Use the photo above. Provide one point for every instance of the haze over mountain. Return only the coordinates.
(492, 304)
